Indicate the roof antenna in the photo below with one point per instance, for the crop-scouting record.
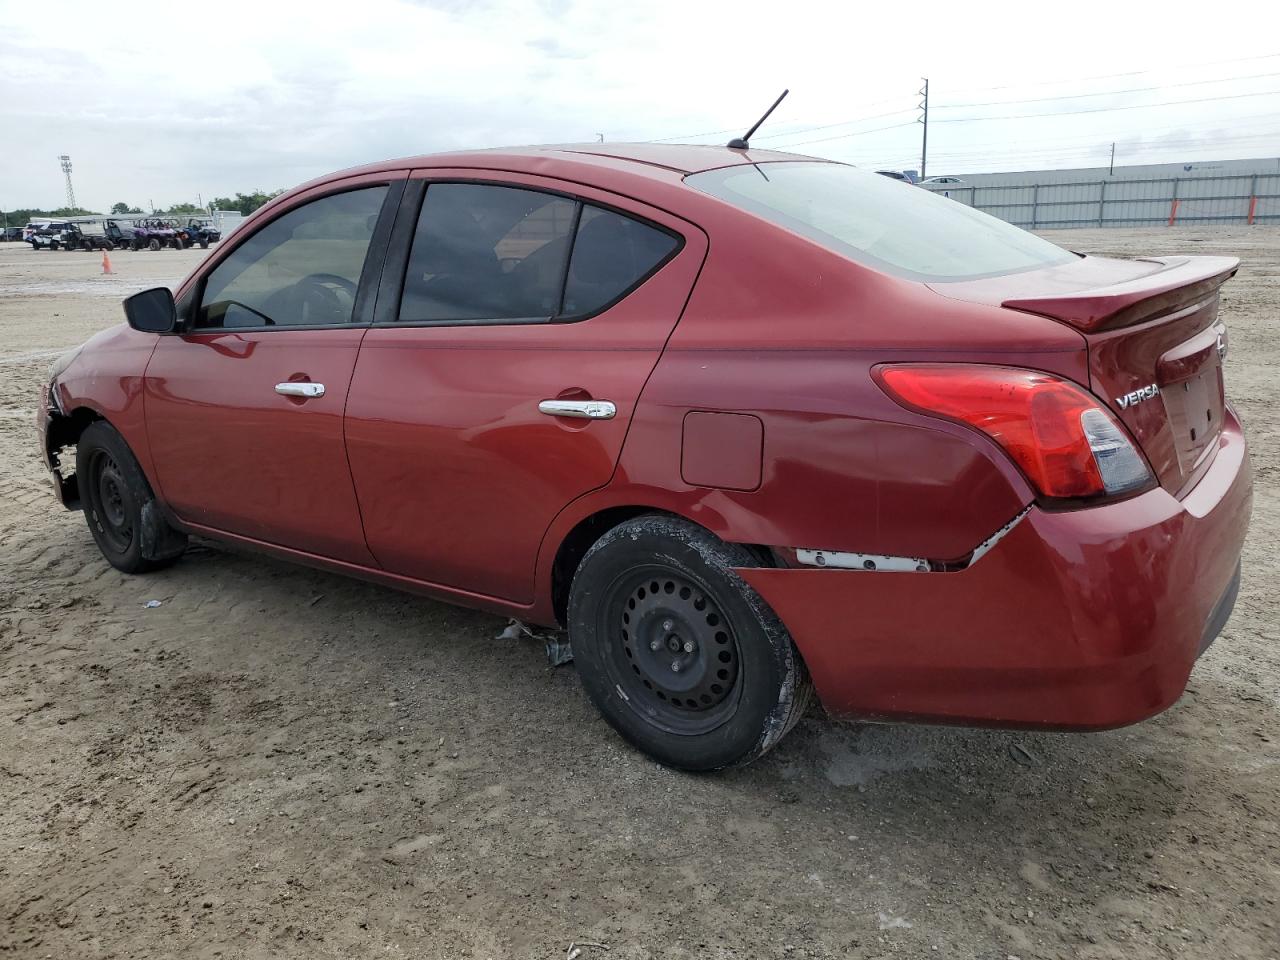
(741, 143)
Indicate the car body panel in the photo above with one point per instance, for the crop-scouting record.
(106, 378)
(232, 454)
(1082, 619)
(448, 417)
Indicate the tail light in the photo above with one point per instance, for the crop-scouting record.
(1060, 436)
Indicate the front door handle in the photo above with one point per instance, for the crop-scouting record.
(579, 409)
(305, 389)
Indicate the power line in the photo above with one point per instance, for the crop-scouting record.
(1137, 106)
(1131, 73)
(1104, 93)
(844, 136)
(1102, 145)
(829, 126)
(790, 133)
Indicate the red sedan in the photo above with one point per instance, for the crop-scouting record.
(745, 423)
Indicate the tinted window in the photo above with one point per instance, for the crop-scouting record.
(611, 255)
(484, 252)
(899, 228)
(302, 268)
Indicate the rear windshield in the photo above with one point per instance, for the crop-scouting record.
(893, 226)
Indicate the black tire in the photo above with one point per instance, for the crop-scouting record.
(53, 245)
(741, 685)
(153, 245)
(204, 244)
(122, 512)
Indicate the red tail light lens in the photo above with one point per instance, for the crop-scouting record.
(1066, 443)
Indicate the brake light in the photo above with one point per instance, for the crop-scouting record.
(1062, 438)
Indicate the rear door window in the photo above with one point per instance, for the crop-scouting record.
(483, 252)
(612, 255)
(498, 254)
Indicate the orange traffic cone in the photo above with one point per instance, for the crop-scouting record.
(106, 263)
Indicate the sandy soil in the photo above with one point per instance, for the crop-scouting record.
(280, 762)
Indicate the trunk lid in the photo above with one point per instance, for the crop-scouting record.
(1155, 345)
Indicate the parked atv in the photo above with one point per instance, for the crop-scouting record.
(153, 234)
(48, 236)
(87, 236)
(122, 234)
(199, 230)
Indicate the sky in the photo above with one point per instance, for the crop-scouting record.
(163, 103)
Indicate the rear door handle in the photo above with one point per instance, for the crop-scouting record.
(579, 409)
(304, 389)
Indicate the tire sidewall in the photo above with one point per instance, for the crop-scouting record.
(768, 662)
(137, 492)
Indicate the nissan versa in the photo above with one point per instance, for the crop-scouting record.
(747, 424)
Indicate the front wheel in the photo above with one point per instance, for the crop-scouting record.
(683, 658)
(123, 515)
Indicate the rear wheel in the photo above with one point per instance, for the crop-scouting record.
(153, 245)
(683, 657)
(123, 515)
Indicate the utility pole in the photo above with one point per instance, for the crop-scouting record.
(1112, 168)
(66, 169)
(923, 119)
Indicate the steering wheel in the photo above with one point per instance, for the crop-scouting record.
(316, 298)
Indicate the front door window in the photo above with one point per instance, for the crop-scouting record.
(302, 269)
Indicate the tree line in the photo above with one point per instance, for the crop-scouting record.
(245, 203)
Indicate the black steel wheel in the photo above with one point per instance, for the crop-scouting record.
(112, 508)
(679, 654)
(123, 516)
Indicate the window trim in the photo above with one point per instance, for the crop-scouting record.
(370, 272)
(395, 275)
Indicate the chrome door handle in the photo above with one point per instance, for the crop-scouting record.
(304, 389)
(579, 409)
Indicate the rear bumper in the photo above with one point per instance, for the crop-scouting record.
(1085, 619)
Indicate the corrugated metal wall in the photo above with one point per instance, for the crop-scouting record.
(1251, 198)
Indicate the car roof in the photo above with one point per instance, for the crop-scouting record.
(659, 160)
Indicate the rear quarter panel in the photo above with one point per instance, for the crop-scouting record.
(787, 331)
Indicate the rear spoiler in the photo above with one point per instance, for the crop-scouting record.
(1179, 282)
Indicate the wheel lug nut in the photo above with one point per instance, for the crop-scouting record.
(668, 626)
(688, 646)
(675, 666)
(655, 644)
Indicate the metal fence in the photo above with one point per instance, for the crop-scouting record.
(1247, 199)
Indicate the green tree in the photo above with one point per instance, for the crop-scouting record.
(19, 217)
(122, 208)
(246, 203)
(179, 209)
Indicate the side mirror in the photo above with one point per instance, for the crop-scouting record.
(152, 311)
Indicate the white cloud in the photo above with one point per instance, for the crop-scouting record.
(161, 101)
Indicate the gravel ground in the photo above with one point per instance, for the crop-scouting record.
(281, 762)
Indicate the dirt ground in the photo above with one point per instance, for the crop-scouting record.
(281, 762)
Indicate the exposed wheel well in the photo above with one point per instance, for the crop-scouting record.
(64, 432)
(579, 540)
